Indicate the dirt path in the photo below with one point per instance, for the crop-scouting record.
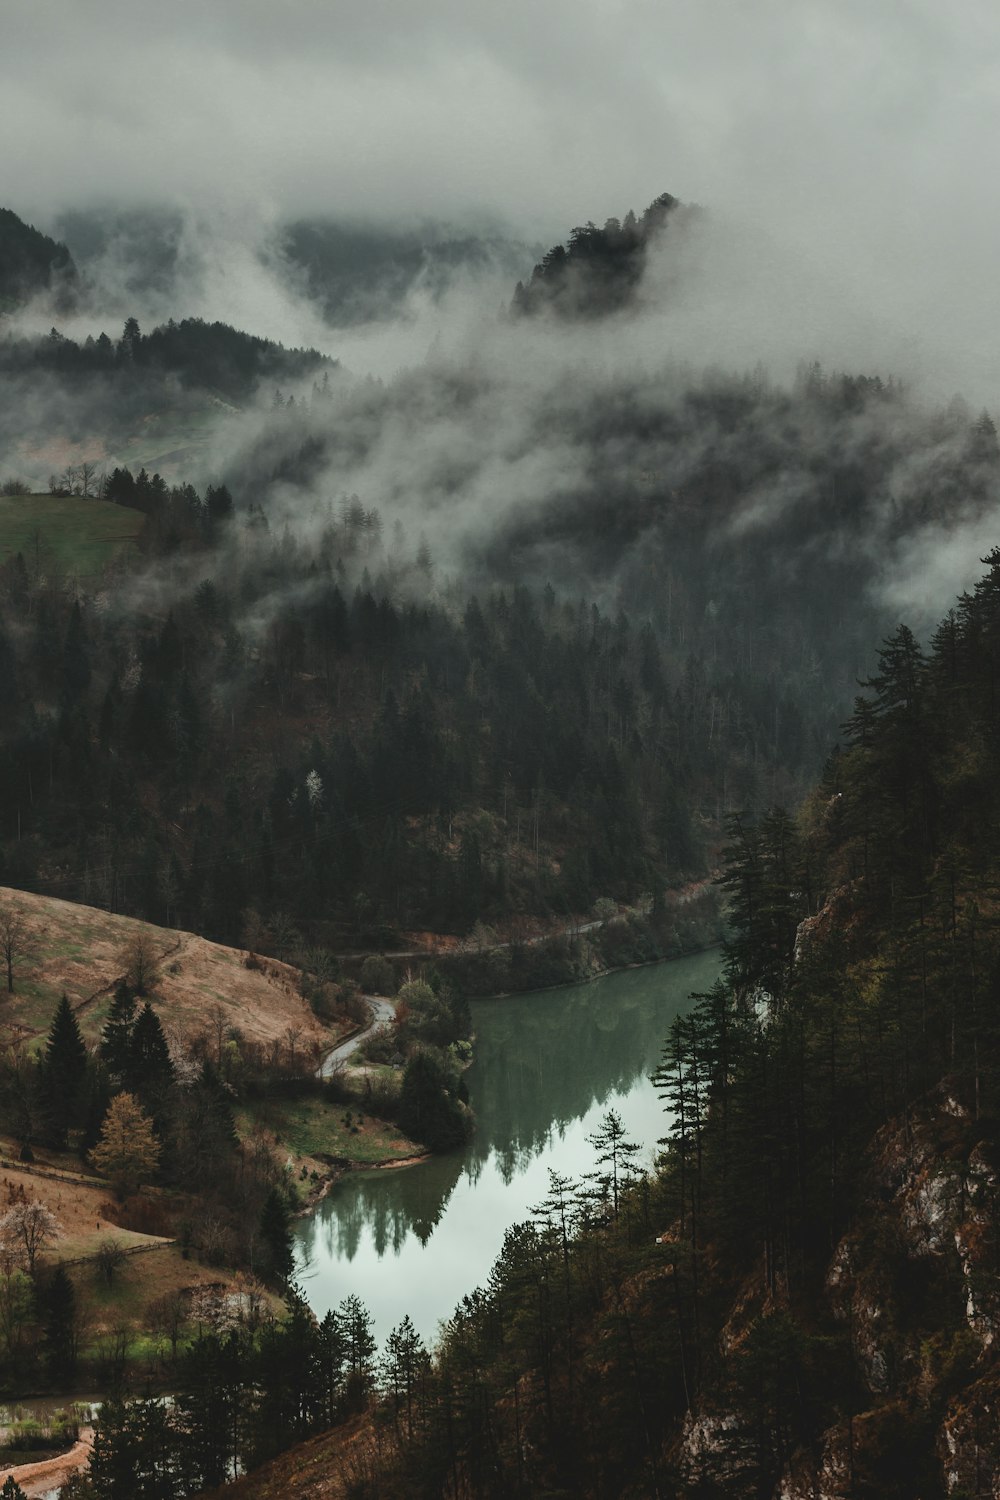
(51, 1474)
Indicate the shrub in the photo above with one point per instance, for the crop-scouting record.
(378, 976)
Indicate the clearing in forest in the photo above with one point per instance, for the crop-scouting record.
(66, 534)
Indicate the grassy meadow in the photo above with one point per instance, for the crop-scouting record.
(64, 533)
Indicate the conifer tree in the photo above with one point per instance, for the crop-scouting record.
(63, 1072)
(128, 1151)
(59, 1300)
(116, 1038)
(276, 1236)
(150, 1070)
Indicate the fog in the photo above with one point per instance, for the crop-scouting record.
(842, 155)
(859, 138)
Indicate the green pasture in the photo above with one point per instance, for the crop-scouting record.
(65, 534)
(317, 1127)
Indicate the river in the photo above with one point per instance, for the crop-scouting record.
(548, 1067)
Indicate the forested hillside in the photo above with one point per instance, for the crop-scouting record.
(32, 263)
(803, 1298)
(211, 356)
(599, 271)
(261, 724)
(498, 643)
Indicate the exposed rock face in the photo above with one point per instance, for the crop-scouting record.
(828, 1479)
(705, 1446)
(969, 1441)
(916, 1286)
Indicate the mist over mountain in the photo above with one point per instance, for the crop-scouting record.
(599, 271)
(31, 265)
(437, 563)
(165, 261)
(358, 274)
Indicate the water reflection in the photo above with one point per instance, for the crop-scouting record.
(547, 1067)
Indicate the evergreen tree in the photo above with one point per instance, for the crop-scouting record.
(63, 1072)
(276, 1237)
(116, 1038)
(150, 1070)
(429, 1106)
(60, 1338)
(359, 1349)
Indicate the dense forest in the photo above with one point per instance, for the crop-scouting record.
(260, 723)
(805, 1290)
(135, 369)
(599, 271)
(32, 263)
(403, 669)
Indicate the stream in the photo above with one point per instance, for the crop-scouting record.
(548, 1066)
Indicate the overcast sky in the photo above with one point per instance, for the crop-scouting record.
(864, 133)
(545, 111)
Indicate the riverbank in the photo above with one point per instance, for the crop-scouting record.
(689, 923)
(547, 1068)
(48, 1475)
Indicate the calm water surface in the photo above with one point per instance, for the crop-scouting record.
(548, 1066)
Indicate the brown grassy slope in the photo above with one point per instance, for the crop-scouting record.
(327, 1467)
(82, 950)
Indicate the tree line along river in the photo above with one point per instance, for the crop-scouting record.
(548, 1066)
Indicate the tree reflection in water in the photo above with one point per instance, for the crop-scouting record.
(548, 1065)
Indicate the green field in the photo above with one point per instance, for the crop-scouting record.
(316, 1128)
(64, 534)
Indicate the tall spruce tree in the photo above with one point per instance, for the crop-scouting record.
(63, 1072)
(276, 1236)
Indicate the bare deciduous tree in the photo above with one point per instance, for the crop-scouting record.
(166, 1316)
(13, 940)
(87, 473)
(109, 1257)
(140, 959)
(29, 1227)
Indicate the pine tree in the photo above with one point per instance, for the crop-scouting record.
(359, 1348)
(150, 1071)
(116, 1039)
(59, 1301)
(63, 1072)
(276, 1236)
(405, 1364)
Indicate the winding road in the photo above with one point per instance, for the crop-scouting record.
(382, 1011)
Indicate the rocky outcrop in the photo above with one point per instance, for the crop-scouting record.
(915, 1286)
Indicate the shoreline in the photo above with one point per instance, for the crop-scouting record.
(337, 1173)
(568, 984)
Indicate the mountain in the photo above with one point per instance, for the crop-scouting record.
(599, 270)
(357, 273)
(32, 263)
(802, 1298)
(354, 272)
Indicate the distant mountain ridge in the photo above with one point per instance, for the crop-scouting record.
(357, 273)
(353, 271)
(30, 263)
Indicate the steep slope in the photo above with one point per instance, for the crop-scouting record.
(32, 263)
(197, 985)
(599, 271)
(803, 1300)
